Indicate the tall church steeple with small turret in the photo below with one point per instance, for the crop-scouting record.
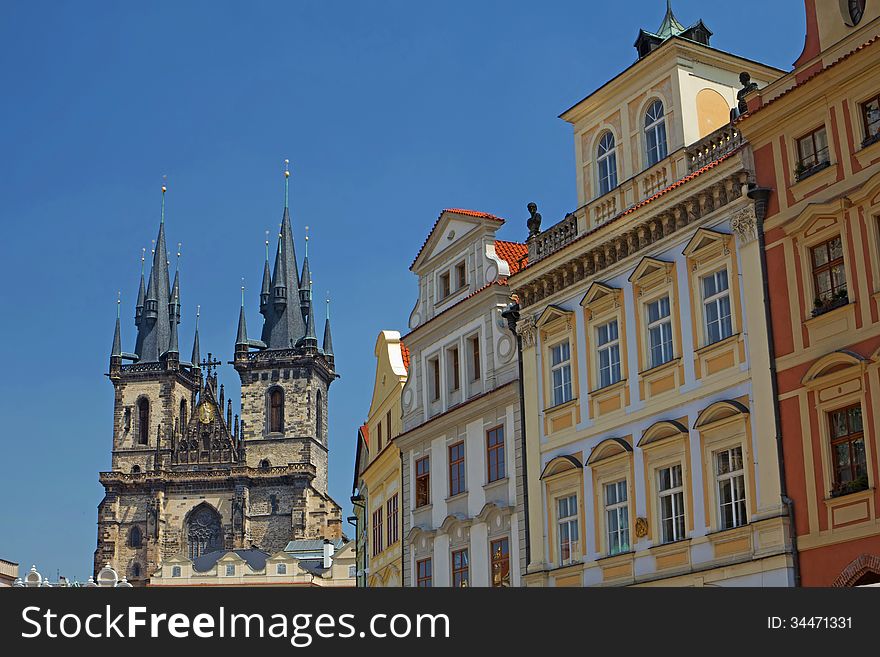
(189, 477)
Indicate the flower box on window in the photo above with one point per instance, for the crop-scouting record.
(855, 486)
(801, 172)
(829, 303)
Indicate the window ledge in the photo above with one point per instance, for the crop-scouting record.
(831, 312)
(617, 385)
(853, 495)
(458, 496)
(623, 557)
(498, 483)
(811, 171)
(717, 345)
(570, 402)
(870, 141)
(663, 366)
(424, 507)
(667, 548)
(829, 306)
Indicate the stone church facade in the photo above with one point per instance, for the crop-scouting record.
(187, 476)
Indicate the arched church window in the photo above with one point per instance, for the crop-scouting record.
(143, 421)
(182, 416)
(265, 465)
(204, 531)
(135, 469)
(135, 538)
(136, 570)
(276, 411)
(319, 416)
(606, 159)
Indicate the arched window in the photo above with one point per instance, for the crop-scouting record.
(135, 538)
(143, 421)
(204, 531)
(136, 570)
(265, 465)
(135, 469)
(606, 160)
(319, 416)
(655, 133)
(182, 416)
(276, 411)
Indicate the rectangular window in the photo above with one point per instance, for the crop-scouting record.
(388, 425)
(871, 119)
(460, 569)
(829, 277)
(379, 436)
(813, 149)
(617, 517)
(671, 503)
(230, 570)
(454, 369)
(848, 450)
(659, 332)
(560, 371)
(500, 553)
(391, 512)
(377, 531)
(608, 347)
(495, 454)
(731, 487)
(423, 481)
(424, 574)
(474, 348)
(434, 369)
(456, 469)
(567, 526)
(460, 275)
(716, 304)
(445, 288)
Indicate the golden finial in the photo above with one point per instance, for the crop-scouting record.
(198, 314)
(307, 241)
(143, 258)
(118, 302)
(267, 246)
(242, 291)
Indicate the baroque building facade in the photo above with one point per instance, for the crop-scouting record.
(376, 492)
(816, 138)
(652, 456)
(187, 476)
(460, 455)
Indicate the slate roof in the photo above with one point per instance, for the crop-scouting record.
(256, 559)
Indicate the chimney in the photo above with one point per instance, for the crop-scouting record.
(328, 553)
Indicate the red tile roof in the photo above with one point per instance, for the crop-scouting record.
(804, 81)
(404, 351)
(514, 253)
(662, 192)
(468, 213)
(365, 432)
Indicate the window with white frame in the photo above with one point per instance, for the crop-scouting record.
(230, 570)
(659, 332)
(608, 351)
(560, 372)
(671, 493)
(567, 527)
(617, 517)
(716, 306)
(606, 161)
(730, 475)
(281, 569)
(655, 133)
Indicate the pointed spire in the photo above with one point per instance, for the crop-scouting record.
(670, 25)
(154, 332)
(196, 356)
(241, 339)
(116, 351)
(266, 287)
(305, 290)
(328, 340)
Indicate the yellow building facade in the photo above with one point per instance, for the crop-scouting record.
(378, 503)
(652, 453)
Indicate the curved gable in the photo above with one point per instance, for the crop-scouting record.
(559, 465)
(608, 448)
(720, 410)
(661, 431)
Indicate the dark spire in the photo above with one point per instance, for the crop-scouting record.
(196, 357)
(154, 332)
(310, 339)
(266, 288)
(305, 281)
(142, 292)
(284, 325)
(116, 351)
(241, 337)
(328, 340)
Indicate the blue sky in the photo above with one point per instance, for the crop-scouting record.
(388, 111)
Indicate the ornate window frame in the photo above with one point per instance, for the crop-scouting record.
(555, 325)
(603, 304)
(651, 280)
(707, 252)
(725, 425)
(610, 461)
(562, 477)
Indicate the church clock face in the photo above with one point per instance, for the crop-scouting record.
(856, 10)
(206, 413)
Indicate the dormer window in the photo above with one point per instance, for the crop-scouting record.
(444, 286)
(606, 161)
(460, 275)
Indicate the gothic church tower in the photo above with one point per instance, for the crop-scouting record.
(186, 478)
